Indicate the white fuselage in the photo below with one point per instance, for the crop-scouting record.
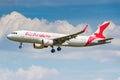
(37, 37)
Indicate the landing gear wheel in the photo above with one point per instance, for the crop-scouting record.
(20, 47)
(52, 50)
(59, 49)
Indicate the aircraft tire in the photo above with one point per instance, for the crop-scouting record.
(59, 49)
(52, 50)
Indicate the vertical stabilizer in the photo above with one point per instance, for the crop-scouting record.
(100, 31)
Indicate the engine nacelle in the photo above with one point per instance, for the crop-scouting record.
(38, 46)
(45, 43)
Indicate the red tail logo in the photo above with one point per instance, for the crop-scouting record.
(99, 32)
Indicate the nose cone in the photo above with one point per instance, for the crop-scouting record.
(9, 36)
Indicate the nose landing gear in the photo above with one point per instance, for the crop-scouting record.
(20, 46)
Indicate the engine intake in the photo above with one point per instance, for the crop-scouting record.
(44, 43)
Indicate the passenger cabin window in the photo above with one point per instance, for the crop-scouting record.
(14, 32)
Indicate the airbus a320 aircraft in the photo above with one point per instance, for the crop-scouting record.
(42, 40)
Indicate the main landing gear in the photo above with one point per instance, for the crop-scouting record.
(53, 50)
(59, 49)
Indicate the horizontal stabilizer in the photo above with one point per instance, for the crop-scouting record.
(107, 39)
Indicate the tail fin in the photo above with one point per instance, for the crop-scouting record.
(100, 31)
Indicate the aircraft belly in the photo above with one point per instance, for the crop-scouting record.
(77, 42)
(32, 40)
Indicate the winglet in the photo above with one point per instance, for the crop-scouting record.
(85, 28)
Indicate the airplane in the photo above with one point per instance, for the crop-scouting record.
(42, 40)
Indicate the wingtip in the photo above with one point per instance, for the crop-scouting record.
(85, 28)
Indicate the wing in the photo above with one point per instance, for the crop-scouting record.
(61, 40)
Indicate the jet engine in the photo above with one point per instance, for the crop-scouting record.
(38, 46)
(45, 43)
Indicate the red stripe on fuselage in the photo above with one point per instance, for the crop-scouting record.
(90, 39)
(37, 34)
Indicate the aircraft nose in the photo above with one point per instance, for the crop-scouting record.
(9, 36)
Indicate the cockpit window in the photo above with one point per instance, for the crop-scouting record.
(14, 32)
